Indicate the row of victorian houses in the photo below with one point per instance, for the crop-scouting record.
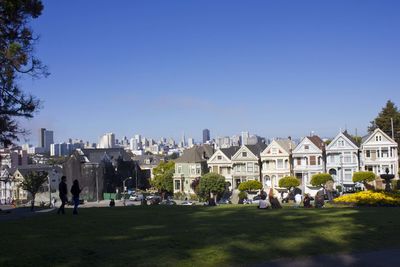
(268, 164)
(98, 171)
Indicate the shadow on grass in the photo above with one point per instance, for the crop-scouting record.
(193, 236)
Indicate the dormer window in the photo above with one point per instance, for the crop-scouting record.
(341, 143)
(306, 147)
(219, 157)
(378, 138)
(244, 154)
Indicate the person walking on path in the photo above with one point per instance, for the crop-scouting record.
(75, 191)
(63, 191)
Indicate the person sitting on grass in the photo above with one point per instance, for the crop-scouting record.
(307, 201)
(319, 199)
(274, 200)
(263, 204)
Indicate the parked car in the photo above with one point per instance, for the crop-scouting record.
(136, 197)
(153, 197)
(168, 203)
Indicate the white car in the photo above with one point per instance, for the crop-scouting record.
(136, 197)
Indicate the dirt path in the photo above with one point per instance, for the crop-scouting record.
(380, 258)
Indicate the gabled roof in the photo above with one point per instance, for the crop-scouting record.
(229, 152)
(37, 168)
(257, 149)
(286, 144)
(316, 140)
(98, 154)
(369, 136)
(344, 135)
(351, 139)
(365, 138)
(196, 154)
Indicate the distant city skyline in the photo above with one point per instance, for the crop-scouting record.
(160, 68)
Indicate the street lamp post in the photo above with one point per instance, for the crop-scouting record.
(48, 177)
(136, 178)
(97, 187)
(93, 172)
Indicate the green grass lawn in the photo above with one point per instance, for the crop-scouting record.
(192, 236)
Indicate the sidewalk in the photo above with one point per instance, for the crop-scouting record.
(11, 213)
(380, 258)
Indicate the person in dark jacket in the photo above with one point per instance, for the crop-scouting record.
(75, 191)
(63, 191)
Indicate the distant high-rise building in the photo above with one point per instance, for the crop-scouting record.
(46, 138)
(183, 141)
(171, 143)
(190, 142)
(41, 137)
(235, 140)
(206, 136)
(107, 141)
(223, 142)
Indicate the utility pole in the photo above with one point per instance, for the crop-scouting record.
(391, 121)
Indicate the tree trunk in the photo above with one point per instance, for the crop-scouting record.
(33, 202)
(330, 197)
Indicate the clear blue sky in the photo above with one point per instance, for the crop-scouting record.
(160, 68)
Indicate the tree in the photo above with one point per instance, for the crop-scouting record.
(164, 183)
(383, 121)
(163, 177)
(32, 183)
(364, 177)
(17, 59)
(289, 182)
(163, 167)
(211, 184)
(195, 185)
(249, 186)
(320, 179)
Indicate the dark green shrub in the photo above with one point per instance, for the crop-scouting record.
(242, 195)
(251, 185)
(363, 177)
(289, 182)
(320, 179)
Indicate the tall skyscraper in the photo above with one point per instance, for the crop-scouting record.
(107, 141)
(46, 138)
(206, 136)
(190, 142)
(41, 137)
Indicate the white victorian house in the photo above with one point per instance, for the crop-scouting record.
(308, 159)
(343, 159)
(379, 152)
(221, 163)
(245, 164)
(6, 185)
(277, 162)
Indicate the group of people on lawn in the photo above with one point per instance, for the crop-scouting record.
(271, 201)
